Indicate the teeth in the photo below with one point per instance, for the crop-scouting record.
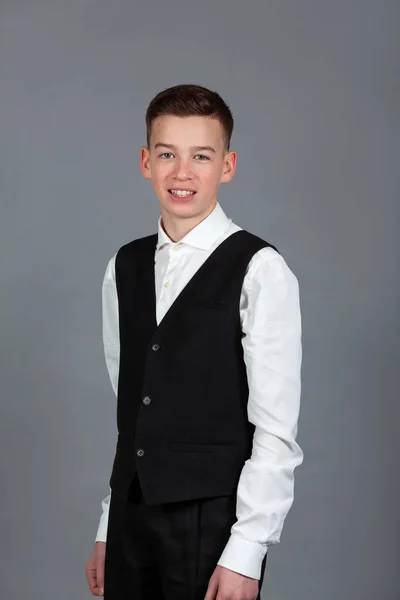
(182, 193)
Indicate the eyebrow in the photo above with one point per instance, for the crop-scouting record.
(197, 148)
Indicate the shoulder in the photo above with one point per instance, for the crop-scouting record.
(126, 253)
(267, 268)
(138, 244)
(135, 249)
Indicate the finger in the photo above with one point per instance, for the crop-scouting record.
(99, 562)
(91, 576)
(212, 590)
(100, 576)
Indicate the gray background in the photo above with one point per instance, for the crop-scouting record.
(312, 85)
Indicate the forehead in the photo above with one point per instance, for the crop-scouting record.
(186, 131)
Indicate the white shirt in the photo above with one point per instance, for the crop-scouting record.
(271, 321)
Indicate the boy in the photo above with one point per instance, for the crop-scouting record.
(202, 338)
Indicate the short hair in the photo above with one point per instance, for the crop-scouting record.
(187, 100)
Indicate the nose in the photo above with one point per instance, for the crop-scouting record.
(182, 170)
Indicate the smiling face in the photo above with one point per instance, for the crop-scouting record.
(187, 161)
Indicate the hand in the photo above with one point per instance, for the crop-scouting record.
(229, 585)
(95, 569)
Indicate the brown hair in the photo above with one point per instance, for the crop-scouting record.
(188, 100)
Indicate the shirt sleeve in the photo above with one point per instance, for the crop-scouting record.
(101, 534)
(110, 328)
(110, 324)
(271, 324)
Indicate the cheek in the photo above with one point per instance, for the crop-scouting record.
(160, 173)
(211, 177)
(207, 172)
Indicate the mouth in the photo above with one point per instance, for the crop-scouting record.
(182, 195)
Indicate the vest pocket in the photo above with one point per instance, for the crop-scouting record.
(209, 305)
(201, 448)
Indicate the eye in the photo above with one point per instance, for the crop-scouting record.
(203, 156)
(164, 153)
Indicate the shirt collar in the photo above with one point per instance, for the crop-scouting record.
(204, 234)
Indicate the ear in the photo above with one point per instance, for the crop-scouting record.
(229, 166)
(145, 162)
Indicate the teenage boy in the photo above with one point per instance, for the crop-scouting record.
(202, 338)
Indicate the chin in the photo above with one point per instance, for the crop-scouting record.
(179, 206)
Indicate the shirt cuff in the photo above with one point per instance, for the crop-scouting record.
(243, 556)
(101, 535)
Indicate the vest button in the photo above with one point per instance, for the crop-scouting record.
(146, 400)
(155, 347)
(140, 452)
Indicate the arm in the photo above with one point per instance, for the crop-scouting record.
(110, 325)
(271, 322)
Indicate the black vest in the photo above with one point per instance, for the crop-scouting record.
(182, 386)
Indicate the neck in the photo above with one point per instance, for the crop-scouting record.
(177, 227)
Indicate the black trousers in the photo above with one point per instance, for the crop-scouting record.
(168, 551)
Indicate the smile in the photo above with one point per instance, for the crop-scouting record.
(182, 193)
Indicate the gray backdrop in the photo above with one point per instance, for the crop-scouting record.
(312, 85)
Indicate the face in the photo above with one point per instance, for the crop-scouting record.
(187, 161)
